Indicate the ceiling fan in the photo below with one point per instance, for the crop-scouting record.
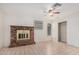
(52, 11)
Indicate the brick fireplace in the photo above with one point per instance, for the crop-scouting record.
(21, 35)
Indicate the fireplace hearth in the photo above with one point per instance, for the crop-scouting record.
(21, 35)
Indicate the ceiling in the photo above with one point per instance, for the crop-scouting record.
(36, 9)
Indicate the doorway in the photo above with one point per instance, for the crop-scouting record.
(62, 34)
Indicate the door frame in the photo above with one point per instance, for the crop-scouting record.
(59, 40)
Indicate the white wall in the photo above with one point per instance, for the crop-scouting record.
(41, 35)
(21, 15)
(10, 19)
(55, 31)
(1, 30)
(72, 29)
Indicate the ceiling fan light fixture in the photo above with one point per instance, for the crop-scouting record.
(53, 9)
(50, 14)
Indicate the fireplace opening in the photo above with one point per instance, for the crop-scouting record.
(23, 34)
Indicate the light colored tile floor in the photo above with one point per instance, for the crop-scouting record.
(42, 48)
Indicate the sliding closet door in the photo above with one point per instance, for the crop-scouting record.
(62, 31)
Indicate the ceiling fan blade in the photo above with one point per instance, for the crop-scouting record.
(57, 4)
(56, 12)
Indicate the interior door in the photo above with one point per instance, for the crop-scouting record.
(62, 31)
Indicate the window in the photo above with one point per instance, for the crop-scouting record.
(38, 24)
(49, 29)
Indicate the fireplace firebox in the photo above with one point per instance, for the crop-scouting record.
(21, 35)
